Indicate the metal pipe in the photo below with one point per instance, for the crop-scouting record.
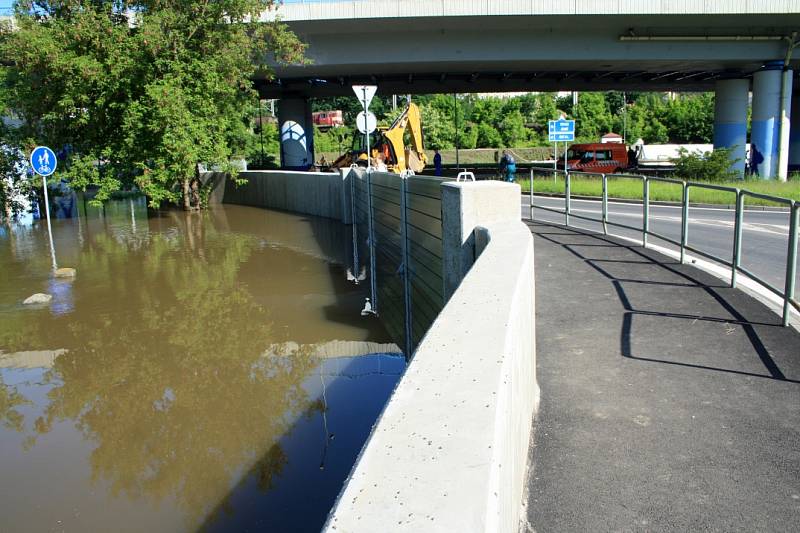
(49, 228)
(791, 263)
(566, 197)
(645, 210)
(737, 238)
(531, 195)
(373, 282)
(604, 215)
(684, 221)
(354, 221)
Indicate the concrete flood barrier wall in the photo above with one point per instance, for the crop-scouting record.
(450, 450)
(398, 237)
(309, 193)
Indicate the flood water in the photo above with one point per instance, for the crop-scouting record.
(201, 372)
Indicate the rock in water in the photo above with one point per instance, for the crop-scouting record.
(38, 298)
(65, 273)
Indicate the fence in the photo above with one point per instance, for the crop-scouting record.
(734, 262)
(397, 236)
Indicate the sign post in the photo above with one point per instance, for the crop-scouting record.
(561, 130)
(43, 162)
(365, 93)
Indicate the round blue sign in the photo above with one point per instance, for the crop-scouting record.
(43, 160)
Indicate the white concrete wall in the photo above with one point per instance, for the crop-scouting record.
(450, 450)
(309, 193)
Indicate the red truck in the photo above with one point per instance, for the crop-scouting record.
(605, 158)
(327, 119)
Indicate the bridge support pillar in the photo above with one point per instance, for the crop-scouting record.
(794, 132)
(296, 133)
(766, 120)
(730, 120)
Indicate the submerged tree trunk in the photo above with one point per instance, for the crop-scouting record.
(187, 199)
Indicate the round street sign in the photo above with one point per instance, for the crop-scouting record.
(366, 123)
(43, 160)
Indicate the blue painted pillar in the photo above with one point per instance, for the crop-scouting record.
(296, 132)
(730, 120)
(765, 128)
(794, 133)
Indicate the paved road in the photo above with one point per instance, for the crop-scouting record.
(764, 234)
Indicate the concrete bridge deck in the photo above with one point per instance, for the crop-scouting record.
(668, 400)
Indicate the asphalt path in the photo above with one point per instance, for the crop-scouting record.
(765, 234)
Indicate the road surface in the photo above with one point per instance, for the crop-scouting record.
(765, 234)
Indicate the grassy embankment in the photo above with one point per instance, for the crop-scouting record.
(627, 188)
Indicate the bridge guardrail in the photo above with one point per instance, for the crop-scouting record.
(734, 262)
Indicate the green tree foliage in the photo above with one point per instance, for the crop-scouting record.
(142, 91)
(489, 137)
(592, 116)
(708, 166)
(512, 129)
(494, 121)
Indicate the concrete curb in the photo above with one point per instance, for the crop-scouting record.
(662, 203)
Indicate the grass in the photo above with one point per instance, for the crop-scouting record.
(626, 188)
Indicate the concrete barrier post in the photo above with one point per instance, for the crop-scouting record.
(466, 205)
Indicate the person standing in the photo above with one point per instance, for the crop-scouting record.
(508, 166)
(437, 162)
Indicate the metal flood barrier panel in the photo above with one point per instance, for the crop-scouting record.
(397, 235)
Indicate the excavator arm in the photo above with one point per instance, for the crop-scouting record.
(403, 158)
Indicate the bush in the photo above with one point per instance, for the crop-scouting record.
(709, 166)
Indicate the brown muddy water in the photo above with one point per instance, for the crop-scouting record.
(201, 372)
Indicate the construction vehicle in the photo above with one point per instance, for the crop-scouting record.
(613, 157)
(390, 143)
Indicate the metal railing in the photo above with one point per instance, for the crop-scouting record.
(734, 262)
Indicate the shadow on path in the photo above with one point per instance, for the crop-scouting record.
(705, 438)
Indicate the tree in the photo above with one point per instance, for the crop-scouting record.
(593, 120)
(488, 137)
(512, 128)
(144, 91)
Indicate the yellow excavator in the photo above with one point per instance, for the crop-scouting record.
(390, 143)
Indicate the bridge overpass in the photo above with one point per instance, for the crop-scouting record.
(733, 47)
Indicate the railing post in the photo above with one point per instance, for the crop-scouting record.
(566, 197)
(645, 209)
(791, 261)
(737, 237)
(406, 267)
(531, 195)
(684, 221)
(604, 215)
(373, 285)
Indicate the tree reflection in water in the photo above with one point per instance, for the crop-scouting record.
(164, 371)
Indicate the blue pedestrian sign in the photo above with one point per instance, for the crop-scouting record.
(561, 130)
(43, 160)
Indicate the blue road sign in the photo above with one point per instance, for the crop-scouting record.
(561, 130)
(43, 160)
